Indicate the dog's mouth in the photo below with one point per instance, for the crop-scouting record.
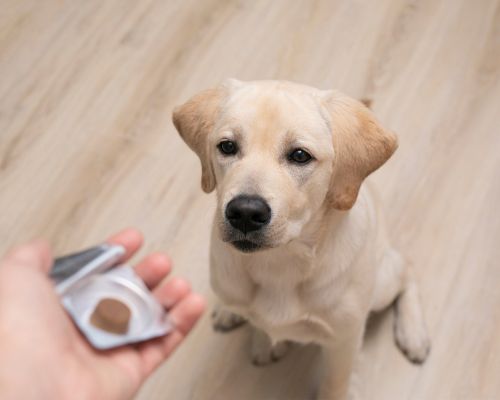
(246, 246)
(246, 242)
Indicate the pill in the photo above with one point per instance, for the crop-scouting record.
(111, 315)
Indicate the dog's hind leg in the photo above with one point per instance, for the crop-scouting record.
(395, 282)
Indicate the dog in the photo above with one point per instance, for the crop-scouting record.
(299, 247)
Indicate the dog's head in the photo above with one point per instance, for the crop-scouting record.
(277, 152)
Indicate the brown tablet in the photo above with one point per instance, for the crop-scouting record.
(111, 315)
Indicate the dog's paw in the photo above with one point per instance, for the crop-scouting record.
(412, 340)
(265, 355)
(225, 321)
(409, 327)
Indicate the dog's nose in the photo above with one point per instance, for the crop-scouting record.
(248, 213)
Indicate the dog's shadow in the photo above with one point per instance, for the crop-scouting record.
(374, 324)
(228, 373)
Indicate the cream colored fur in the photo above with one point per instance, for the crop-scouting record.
(327, 261)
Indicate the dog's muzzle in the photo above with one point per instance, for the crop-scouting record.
(248, 215)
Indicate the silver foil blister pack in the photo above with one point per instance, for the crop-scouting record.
(87, 279)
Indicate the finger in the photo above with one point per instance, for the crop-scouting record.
(153, 269)
(185, 314)
(172, 291)
(131, 239)
(36, 254)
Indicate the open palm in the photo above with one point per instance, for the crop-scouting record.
(45, 356)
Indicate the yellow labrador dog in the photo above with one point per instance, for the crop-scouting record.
(299, 247)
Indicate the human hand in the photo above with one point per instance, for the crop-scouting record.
(44, 356)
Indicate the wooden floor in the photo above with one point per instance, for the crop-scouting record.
(87, 147)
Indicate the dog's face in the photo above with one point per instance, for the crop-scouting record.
(272, 153)
(277, 152)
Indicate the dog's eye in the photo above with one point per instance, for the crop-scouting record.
(299, 156)
(227, 147)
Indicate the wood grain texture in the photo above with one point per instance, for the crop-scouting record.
(87, 146)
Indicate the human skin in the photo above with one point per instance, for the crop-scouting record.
(44, 356)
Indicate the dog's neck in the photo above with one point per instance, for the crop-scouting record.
(315, 232)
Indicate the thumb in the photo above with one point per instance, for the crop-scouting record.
(35, 255)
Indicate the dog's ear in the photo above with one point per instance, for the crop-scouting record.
(195, 120)
(361, 145)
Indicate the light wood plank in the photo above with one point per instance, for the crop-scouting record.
(87, 146)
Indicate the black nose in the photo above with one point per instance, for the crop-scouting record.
(248, 213)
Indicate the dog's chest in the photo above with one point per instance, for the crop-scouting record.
(278, 303)
(276, 298)
(285, 314)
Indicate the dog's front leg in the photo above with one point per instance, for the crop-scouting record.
(265, 352)
(224, 320)
(339, 361)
